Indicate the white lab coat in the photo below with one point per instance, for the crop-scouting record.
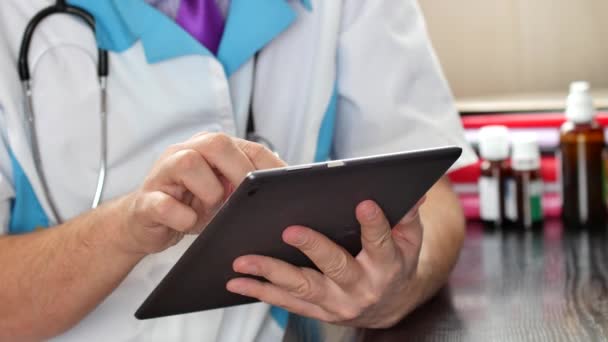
(391, 96)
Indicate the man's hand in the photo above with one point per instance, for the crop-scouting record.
(371, 290)
(90, 255)
(186, 187)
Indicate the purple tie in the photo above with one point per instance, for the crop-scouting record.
(203, 19)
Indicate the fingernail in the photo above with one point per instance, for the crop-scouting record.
(410, 216)
(418, 204)
(251, 269)
(236, 287)
(421, 201)
(370, 210)
(294, 236)
(298, 239)
(243, 265)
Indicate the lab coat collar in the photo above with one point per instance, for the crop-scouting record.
(249, 27)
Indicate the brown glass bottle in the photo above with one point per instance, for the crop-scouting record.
(525, 188)
(528, 198)
(497, 172)
(582, 174)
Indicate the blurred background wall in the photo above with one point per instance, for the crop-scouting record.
(519, 54)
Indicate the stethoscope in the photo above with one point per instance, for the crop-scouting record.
(61, 7)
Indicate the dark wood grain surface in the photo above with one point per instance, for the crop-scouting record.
(513, 285)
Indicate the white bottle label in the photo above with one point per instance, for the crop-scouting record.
(511, 200)
(532, 202)
(489, 199)
(560, 179)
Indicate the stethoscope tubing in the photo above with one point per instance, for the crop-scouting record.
(60, 7)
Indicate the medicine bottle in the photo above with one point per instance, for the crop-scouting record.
(525, 187)
(581, 155)
(494, 150)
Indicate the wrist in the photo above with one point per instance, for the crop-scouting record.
(100, 232)
(118, 224)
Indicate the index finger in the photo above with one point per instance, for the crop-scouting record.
(334, 261)
(223, 154)
(261, 157)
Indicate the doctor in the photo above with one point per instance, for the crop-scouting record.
(323, 79)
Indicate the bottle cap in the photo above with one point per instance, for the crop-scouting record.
(526, 153)
(494, 143)
(580, 103)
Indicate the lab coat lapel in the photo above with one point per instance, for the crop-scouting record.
(161, 37)
(120, 23)
(250, 26)
(296, 80)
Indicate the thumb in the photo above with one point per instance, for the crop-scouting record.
(376, 237)
(408, 233)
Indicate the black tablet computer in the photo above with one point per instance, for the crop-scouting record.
(321, 196)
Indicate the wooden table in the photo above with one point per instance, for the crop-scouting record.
(511, 285)
(550, 284)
